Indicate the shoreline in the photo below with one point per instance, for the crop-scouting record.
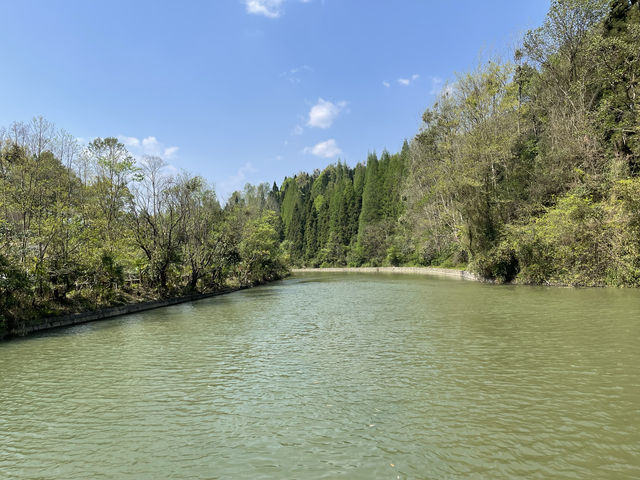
(433, 271)
(439, 272)
(71, 319)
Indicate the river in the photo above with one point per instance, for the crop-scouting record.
(329, 375)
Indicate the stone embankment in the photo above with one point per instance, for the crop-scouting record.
(102, 314)
(441, 272)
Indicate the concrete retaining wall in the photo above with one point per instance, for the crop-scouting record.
(441, 272)
(78, 318)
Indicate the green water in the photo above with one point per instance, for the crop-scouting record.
(335, 376)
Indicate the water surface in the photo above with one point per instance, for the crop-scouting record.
(335, 376)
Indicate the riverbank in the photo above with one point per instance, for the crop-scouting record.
(440, 272)
(106, 313)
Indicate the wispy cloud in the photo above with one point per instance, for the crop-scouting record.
(148, 146)
(297, 130)
(323, 113)
(293, 75)
(169, 151)
(437, 84)
(326, 149)
(405, 82)
(267, 8)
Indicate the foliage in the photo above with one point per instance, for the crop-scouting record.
(525, 171)
(82, 228)
(261, 259)
(529, 169)
(14, 290)
(343, 215)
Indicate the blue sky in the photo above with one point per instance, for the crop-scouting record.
(246, 90)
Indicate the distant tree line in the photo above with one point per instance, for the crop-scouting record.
(526, 170)
(86, 227)
(343, 215)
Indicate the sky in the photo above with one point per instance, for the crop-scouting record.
(246, 90)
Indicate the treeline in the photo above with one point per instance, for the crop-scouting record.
(525, 170)
(342, 215)
(86, 227)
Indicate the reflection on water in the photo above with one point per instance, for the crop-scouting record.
(335, 376)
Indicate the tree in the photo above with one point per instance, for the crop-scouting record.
(260, 251)
(203, 237)
(115, 168)
(157, 213)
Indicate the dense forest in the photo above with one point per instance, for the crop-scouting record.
(526, 170)
(88, 227)
(345, 216)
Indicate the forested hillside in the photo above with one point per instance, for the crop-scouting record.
(82, 228)
(525, 170)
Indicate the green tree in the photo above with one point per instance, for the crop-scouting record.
(261, 259)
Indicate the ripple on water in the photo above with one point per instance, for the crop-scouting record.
(334, 376)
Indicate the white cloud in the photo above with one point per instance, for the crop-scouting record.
(326, 149)
(386, 84)
(168, 152)
(147, 146)
(405, 82)
(150, 144)
(323, 113)
(129, 141)
(268, 8)
(298, 130)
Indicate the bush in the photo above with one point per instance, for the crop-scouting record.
(14, 289)
(568, 244)
(500, 264)
(394, 256)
